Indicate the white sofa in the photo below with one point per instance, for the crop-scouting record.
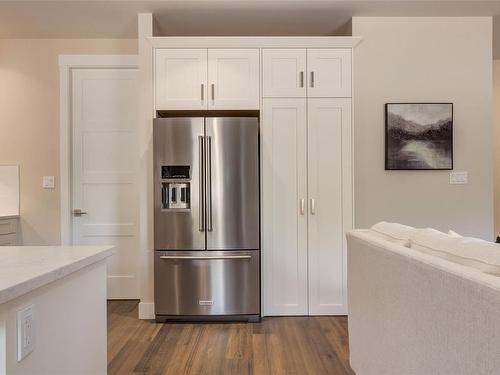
(415, 313)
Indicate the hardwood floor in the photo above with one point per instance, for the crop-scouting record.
(288, 345)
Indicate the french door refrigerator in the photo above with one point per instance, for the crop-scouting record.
(206, 221)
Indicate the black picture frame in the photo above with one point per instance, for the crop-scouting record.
(389, 166)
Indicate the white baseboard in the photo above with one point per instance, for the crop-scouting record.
(146, 310)
(122, 287)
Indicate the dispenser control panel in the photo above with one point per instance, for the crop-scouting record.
(176, 187)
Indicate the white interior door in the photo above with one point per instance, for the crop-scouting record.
(329, 72)
(328, 121)
(181, 79)
(233, 76)
(284, 73)
(284, 226)
(104, 169)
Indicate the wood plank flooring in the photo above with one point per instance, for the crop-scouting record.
(288, 345)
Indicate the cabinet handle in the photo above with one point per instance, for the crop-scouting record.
(312, 79)
(213, 92)
(202, 92)
(301, 79)
(302, 206)
(313, 207)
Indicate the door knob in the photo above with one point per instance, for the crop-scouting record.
(78, 212)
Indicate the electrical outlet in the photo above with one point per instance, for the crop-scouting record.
(48, 182)
(459, 178)
(25, 332)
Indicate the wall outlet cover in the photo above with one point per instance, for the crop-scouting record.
(459, 178)
(48, 182)
(25, 331)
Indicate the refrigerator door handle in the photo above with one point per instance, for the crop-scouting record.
(209, 184)
(201, 151)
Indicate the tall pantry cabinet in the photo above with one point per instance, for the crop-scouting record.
(307, 179)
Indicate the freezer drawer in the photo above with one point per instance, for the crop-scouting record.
(202, 283)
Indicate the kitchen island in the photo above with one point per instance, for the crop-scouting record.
(58, 294)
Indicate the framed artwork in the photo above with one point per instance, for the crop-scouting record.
(419, 136)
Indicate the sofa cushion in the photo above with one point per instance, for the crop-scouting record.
(394, 232)
(472, 252)
(434, 242)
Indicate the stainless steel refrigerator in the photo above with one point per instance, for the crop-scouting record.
(206, 222)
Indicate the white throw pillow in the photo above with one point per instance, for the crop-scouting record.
(472, 252)
(434, 242)
(394, 232)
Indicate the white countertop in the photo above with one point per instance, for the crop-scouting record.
(26, 268)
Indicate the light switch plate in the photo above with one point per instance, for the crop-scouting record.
(25, 332)
(459, 178)
(48, 182)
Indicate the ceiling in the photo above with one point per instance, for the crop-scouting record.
(118, 19)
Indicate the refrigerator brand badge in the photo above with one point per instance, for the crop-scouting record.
(206, 303)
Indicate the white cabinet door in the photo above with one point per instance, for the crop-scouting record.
(329, 73)
(283, 73)
(233, 77)
(181, 79)
(329, 128)
(284, 226)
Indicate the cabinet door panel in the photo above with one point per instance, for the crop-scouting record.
(329, 73)
(328, 157)
(181, 79)
(284, 73)
(284, 227)
(233, 77)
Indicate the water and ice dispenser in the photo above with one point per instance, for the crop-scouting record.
(176, 187)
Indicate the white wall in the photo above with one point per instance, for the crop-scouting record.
(29, 122)
(414, 60)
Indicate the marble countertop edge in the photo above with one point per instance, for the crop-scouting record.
(32, 283)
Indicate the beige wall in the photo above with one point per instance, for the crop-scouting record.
(496, 141)
(29, 122)
(425, 59)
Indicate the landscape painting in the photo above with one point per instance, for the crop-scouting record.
(418, 136)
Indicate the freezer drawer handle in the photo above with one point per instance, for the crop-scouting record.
(198, 257)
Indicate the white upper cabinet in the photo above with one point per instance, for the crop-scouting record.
(284, 204)
(181, 78)
(233, 78)
(329, 73)
(313, 73)
(330, 211)
(284, 73)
